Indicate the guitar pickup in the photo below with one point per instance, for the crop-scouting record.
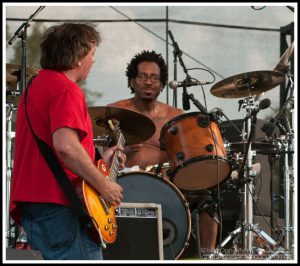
(104, 205)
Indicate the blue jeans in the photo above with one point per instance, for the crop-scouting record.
(56, 232)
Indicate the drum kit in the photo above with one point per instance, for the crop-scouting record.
(198, 160)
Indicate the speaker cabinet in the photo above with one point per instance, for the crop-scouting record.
(139, 235)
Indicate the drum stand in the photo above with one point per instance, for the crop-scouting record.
(10, 228)
(247, 230)
(205, 205)
(287, 145)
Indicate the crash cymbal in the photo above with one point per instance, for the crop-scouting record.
(247, 84)
(13, 75)
(255, 145)
(283, 63)
(135, 126)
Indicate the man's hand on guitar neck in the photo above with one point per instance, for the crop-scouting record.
(109, 152)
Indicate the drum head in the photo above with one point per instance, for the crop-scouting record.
(143, 187)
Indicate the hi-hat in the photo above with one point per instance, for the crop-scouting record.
(258, 146)
(247, 84)
(135, 126)
(13, 73)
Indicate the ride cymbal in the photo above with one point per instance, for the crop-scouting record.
(135, 126)
(247, 84)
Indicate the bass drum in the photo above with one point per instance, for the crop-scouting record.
(143, 187)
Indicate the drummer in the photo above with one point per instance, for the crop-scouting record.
(147, 75)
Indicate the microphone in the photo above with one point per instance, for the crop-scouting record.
(185, 100)
(269, 127)
(175, 84)
(264, 104)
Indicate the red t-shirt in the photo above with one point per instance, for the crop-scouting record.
(53, 102)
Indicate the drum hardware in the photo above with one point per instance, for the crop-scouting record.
(258, 147)
(209, 205)
(216, 113)
(286, 144)
(135, 126)
(269, 127)
(248, 231)
(11, 229)
(288, 189)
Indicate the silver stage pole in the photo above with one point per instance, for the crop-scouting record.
(9, 166)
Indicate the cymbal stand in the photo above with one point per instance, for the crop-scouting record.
(208, 205)
(287, 145)
(10, 230)
(288, 177)
(247, 230)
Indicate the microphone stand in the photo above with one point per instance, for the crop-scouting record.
(175, 78)
(22, 33)
(185, 95)
(177, 54)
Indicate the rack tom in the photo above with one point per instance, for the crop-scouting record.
(196, 152)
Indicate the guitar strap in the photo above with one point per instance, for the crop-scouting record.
(59, 173)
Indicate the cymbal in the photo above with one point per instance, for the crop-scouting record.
(135, 126)
(282, 65)
(247, 84)
(255, 145)
(13, 75)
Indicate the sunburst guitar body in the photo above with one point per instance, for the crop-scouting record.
(104, 218)
(102, 214)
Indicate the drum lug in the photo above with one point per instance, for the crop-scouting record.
(203, 121)
(180, 156)
(174, 130)
(209, 147)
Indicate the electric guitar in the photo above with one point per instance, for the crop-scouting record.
(103, 215)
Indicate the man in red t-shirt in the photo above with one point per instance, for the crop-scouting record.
(59, 116)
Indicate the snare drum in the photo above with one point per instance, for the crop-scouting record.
(196, 152)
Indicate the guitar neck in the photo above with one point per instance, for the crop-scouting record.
(115, 161)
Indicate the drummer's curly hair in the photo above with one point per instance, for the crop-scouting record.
(148, 56)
